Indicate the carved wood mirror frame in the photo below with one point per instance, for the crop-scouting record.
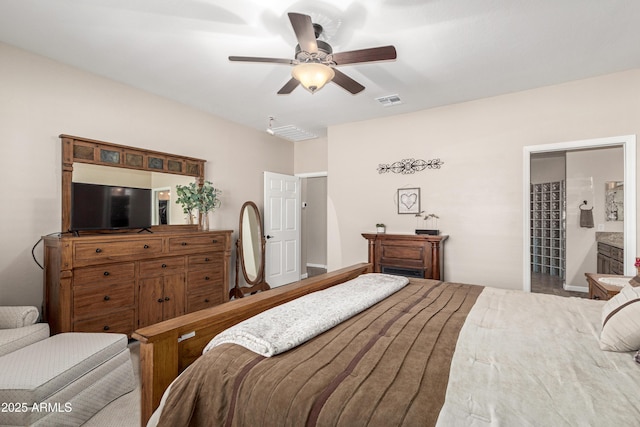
(250, 217)
(82, 150)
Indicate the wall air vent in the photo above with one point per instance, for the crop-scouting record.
(293, 133)
(388, 101)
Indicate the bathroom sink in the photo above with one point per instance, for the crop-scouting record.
(615, 281)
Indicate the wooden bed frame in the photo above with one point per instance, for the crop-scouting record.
(167, 348)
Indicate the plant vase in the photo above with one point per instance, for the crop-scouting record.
(204, 221)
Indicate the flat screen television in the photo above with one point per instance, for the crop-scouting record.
(106, 207)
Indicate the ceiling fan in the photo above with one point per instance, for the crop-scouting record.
(315, 63)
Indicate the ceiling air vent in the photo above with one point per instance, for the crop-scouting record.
(293, 133)
(388, 101)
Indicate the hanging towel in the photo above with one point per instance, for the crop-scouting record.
(586, 218)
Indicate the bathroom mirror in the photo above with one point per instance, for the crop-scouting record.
(614, 200)
(250, 252)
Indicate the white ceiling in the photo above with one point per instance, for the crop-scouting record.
(449, 51)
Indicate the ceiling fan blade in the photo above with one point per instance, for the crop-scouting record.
(289, 87)
(303, 27)
(365, 55)
(346, 82)
(258, 59)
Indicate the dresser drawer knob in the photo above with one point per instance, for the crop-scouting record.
(214, 241)
(206, 278)
(106, 273)
(106, 328)
(164, 265)
(596, 297)
(167, 298)
(146, 246)
(107, 297)
(160, 300)
(206, 300)
(207, 260)
(98, 250)
(184, 243)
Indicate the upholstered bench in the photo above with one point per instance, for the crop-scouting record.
(65, 379)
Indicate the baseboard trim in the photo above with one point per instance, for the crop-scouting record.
(317, 265)
(304, 276)
(573, 288)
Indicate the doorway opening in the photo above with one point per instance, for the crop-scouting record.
(574, 271)
(314, 224)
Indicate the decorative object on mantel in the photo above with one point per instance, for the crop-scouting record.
(409, 166)
(433, 231)
(637, 266)
(381, 228)
(204, 198)
(408, 200)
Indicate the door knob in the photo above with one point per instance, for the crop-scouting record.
(269, 237)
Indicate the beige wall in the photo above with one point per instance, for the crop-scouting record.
(587, 171)
(311, 156)
(42, 99)
(478, 191)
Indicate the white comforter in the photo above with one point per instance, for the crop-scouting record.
(288, 325)
(534, 360)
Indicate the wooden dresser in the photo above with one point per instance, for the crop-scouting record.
(412, 255)
(122, 282)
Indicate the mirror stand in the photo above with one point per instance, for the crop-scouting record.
(250, 253)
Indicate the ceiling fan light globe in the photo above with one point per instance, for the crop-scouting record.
(312, 75)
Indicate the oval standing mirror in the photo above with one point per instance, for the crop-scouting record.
(250, 252)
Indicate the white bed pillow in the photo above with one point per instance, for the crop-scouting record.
(621, 321)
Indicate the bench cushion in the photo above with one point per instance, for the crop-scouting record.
(77, 369)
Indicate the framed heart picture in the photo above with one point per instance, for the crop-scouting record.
(408, 200)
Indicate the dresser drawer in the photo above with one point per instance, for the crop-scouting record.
(98, 300)
(210, 261)
(161, 266)
(201, 280)
(103, 274)
(101, 251)
(191, 244)
(201, 301)
(121, 322)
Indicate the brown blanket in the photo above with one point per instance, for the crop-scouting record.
(387, 366)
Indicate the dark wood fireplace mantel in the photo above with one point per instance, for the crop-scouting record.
(407, 254)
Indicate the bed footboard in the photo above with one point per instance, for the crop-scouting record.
(167, 348)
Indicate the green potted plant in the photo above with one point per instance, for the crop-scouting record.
(204, 198)
(380, 228)
(188, 198)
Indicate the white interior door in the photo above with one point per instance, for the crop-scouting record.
(282, 228)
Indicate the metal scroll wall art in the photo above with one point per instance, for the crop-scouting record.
(409, 166)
